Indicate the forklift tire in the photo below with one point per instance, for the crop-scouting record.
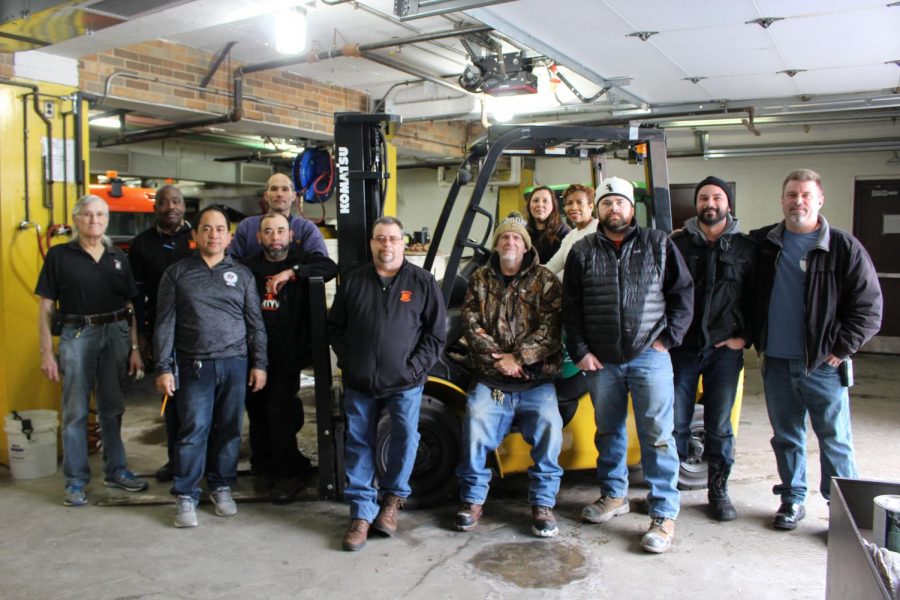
(692, 474)
(433, 480)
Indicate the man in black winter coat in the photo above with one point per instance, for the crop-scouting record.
(627, 299)
(818, 300)
(387, 326)
(722, 262)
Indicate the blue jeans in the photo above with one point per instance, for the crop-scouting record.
(649, 379)
(720, 368)
(363, 412)
(536, 414)
(790, 395)
(93, 358)
(210, 396)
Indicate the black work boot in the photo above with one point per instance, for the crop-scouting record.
(720, 506)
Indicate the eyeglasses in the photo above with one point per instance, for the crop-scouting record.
(394, 239)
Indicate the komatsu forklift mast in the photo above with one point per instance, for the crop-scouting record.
(361, 172)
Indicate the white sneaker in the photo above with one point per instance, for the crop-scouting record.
(185, 512)
(225, 505)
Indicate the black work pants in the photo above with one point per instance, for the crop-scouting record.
(276, 415)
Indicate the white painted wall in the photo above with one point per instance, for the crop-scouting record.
(758, 183)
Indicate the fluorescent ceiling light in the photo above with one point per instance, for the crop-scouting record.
(107, 122)
(289, 31)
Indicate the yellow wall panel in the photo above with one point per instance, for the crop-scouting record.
(22, 386)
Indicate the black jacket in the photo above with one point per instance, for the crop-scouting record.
(616, 303)
(387, 340)
(286, 314)
(723, 274)
(843, 298)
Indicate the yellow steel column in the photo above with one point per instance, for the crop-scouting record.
(512, 198)
(389, 202)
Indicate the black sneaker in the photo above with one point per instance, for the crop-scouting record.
(285, 490)
(543, 523)
(165, 473)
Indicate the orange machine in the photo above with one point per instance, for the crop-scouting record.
(131, 209)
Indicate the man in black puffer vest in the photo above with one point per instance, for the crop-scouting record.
(722, 262)
(627, 299)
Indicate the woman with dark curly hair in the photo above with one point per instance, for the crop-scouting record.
(544, 223)
(578, 201)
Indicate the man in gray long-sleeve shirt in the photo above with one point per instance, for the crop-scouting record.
(208, 313)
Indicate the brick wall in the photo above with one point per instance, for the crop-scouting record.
(272, 97)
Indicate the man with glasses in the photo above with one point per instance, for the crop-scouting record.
(91, 281)
(627, 299)
(387, 327)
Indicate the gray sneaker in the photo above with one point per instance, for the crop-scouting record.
(605, 509)
(224, 503)
(185, 512)
(125, 480)
(74, 496)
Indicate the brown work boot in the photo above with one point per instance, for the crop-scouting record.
(543, 523)
(658, 538)
(356, 535)
(605, 509)
(386, 521)
(468, 516)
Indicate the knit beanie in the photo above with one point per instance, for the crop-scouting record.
(615, 186)
(711, 180)
(515, 223)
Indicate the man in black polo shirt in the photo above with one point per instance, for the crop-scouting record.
(150, 254)
(275, 412)
(90, 280)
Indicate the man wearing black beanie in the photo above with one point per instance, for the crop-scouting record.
(722, 262)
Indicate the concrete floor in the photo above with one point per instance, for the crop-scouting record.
(51, 551)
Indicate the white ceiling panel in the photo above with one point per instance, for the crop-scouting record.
(842, 44)
(830, 40)
(698, 54)
(673, 15)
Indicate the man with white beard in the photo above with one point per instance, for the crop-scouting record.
(512, 326)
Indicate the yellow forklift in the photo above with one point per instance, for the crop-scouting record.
(361, 175)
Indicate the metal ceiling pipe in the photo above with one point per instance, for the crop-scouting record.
(416, 72)
(237, 81)
(356, 50)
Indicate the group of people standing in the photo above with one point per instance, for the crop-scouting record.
(224, 323)
(637, 311)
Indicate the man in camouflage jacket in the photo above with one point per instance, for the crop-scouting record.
(511, 322)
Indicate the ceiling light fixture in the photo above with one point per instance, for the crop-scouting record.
(289, 31)
(106, 122)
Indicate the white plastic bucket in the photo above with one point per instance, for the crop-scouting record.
(32, 455)
(886, 522)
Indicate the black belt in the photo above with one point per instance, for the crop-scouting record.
(101, 319)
